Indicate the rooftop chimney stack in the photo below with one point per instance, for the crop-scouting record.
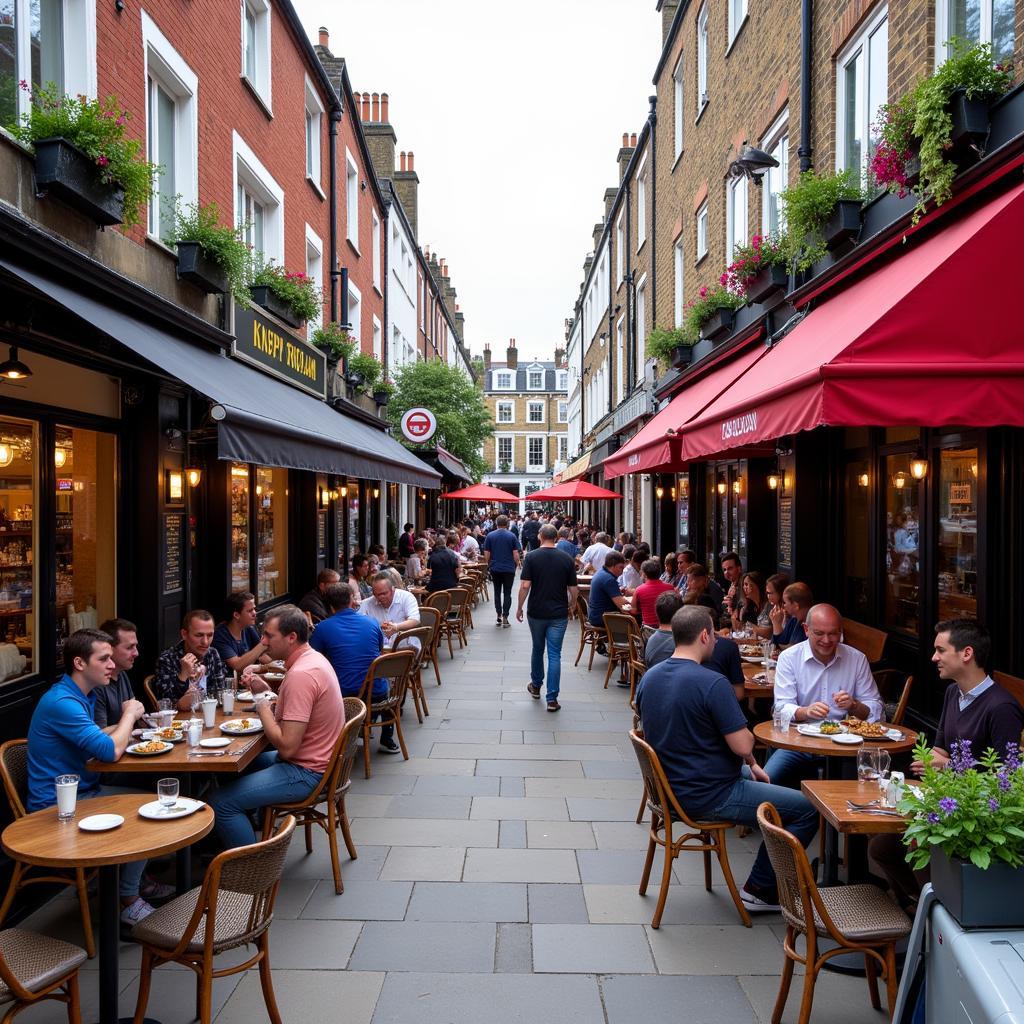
(325, 38)
(384, 111)
(668, 10)
(625, 154)
(407, 186)
(559, 358)
(487, 355)
(375, 109)
(380, 136)
(512, 356)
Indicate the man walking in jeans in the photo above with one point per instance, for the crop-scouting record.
(502, 553)
(549, 581)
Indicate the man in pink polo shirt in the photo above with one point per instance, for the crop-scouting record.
(302, 728)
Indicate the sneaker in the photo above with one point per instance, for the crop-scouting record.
(602, 649)
(623, 682)
(534, 691)
(766, 903)
(505, 624)
(389, 747)
(136, 912)
(553, 705)
(498, 623)
(150, 889)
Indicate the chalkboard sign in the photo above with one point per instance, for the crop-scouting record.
(321, 534)
(785, 533)
(173, 560)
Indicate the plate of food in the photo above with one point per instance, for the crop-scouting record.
(181, 808)
(168, 735)
(751, 651)
(150, 748)
(877, 731)
(248, 697)
(819, 729)
(241, 726)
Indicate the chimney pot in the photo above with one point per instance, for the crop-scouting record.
(325, 38)
(376, 106)
(412, 157)
(401, 160)
(625, 139)
(366, 106)
(384, 106)
(632, 140)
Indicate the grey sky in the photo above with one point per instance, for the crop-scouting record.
(515, 112)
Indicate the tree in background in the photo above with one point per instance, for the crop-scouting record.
(463, 420)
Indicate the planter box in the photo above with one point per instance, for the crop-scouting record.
(680, 356)
(198, 269)
(264, 297)
(842, 229)
(382, 397)
(703, 348)
(64, 171)
(970, 123)
(720, 325)
(767, 283)
(976, 898)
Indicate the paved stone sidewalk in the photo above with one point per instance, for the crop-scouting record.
(497, 880)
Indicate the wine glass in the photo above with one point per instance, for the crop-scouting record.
(167, 792)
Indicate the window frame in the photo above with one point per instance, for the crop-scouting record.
(314, 120)
(375, 226)
(703, 55)
(777, 136)
(315, 269)
(355, 325)
(530, 374)
(620, 247)
(737, 19)
(498, 460)
(701, 230)
(679, 107)
(563, 411)
(641, 327)
(641, 203)
(351, 200)
(563, 380)
(942, 34)
(261, 79)
(734, 188)
(496, 380)
(536, 467)
(678, 279)
(533, 406)
(256, 180)
(377, 338)
(505, 405)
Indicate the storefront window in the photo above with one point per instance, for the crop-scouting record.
(86, 502)
(353, 522)
(239, 527)
(18, 533)
(271, 533)
(957, 563)
(903, 540)
(856, 559)
(683, 505)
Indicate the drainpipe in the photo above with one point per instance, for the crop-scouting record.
(332, 186)
(630, 375)
(652, 120)
(806, 27)
(611, 322)
(385, 228)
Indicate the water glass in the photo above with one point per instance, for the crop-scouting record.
(167, 792)
(195, 731)
(866, 770)
(209, 712)
(228, 701)
(777, 716)
(66, 788)
(165, 704)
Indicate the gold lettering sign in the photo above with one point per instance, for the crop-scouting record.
(259, 340)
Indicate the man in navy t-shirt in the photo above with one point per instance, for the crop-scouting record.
(694, 723)
(502, 553)
(605, 595)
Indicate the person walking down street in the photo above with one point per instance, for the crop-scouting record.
(549, 583)
(502, 553)
(531, 532)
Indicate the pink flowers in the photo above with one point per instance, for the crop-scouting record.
(102, 161)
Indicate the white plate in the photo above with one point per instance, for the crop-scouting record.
(814, 729)
(133, 749)
(153, 734)
(847, 739)
(183, 807)
(100, 822)
(224, 727)
(245, 696)
(216, 741)
(751, 660)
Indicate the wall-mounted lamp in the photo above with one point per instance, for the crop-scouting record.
(919, 466)
(752, 164)
(773, 481)
(737, 486)
(376, 492)
(325, 497)
(344, 490)
(722, 487)
(6, 455)
(974, 470)
(863, 480)
(194, 475)
(175, 485)
(660, 492)
(12, 368)
(899, 481)
(673, 494)
(423, 494)
(60, 457)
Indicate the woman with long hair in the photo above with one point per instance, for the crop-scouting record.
(749, 610)
(773, 589)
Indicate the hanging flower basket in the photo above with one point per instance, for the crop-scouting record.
(264, 296)
(64, 171)
(719, 325)
(197, 268)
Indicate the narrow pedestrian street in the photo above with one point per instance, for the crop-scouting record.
(497, 880)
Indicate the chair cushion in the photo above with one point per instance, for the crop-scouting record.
(165, 927)
(862, 913)
(36, 960)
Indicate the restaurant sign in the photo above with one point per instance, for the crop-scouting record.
(262, 342)
(739, 426)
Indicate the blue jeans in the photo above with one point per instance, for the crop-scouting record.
(790, 767)
(549, 633)
(269, 781)
(740, 805)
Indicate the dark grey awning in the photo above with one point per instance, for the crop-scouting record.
(452, 465)
(268, 422)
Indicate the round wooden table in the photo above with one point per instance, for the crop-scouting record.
(40, 839)
(823, 746)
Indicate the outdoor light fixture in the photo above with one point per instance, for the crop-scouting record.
(12, 368)
(919, 466)
(737, 486)
(344, 490)
(900, 480)
(60, 457)
(752, 164)
(325, 497)
(673, 494)
(6, 455)
(376, 492)
(773, 481)
(974, 470)
(660, 492)
(863, 480)
(195, 475)
(175, 485)
(722, 487)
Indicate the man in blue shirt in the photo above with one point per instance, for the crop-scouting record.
(605, 595)
(351, 642)
(236, 639)
(694, 723)
(502, 553)
(63, 736)
(565, 544)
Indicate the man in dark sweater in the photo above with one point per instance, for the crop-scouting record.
(975, 710)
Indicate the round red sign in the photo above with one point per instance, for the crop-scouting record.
(419, 424)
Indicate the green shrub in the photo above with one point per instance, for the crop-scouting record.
(697, 312)
(809, 204)
(369, 366)
(334, 340)
(661, 341)
(220, 244)
(297, 290)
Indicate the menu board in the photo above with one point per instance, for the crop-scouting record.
(321, 534)
(785, 533)
(173, 556)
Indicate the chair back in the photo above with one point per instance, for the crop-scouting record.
(1013, 684)
(425, 635)
(894, 690)
(621, 629)
(659, 792)
(14, 771)
(348, 745)
(439, 599)
(866, 639)
(147, 688)
(456, 600)
(582, 608)
(430, 616)
(394, 666)
(355, 711)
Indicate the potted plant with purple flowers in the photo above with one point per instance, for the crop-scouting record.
(967, 821)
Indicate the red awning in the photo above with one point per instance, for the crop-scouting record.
(932, 338)
(655, 447)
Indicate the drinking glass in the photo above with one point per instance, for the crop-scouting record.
(195, 731)
(777, 716)
(167, 792)
(881, 761)
(867, 770)
(164, 704)
(66, 788)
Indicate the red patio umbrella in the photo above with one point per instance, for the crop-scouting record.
(574, 490)
(482, 492)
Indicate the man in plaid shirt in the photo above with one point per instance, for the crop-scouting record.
(192, 664)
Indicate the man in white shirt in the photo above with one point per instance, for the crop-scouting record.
(817, 679)
(470, 548)
(593, 558)
(393, 609)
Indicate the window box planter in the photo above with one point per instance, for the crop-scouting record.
(970, 122)
(767, 283)
(976, 898)
(842, 228)
(680, 356)
(198, 269)
(263, 296)
(382, 397)
(719, 325)
(64, 171)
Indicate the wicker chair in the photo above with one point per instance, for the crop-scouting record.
(703, 837)
(888, 682)
(469, 585)
(35, 967)
(395, 667)
(433, 617)
(424, 634)
(590, 635)
(14, 772)
(237, 896)
(455, 620)
(331, 790)
(623, 642)
(147, 689)
(637, 664)
(860, 918)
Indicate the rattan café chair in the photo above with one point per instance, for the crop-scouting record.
(395, 668)
(432, 617)
(35, 967)
(623, 640)
(14, 772)
(424, 634)
(331, 791)
(589, 634)
(232, 908)
(703, 837)
(860, 918)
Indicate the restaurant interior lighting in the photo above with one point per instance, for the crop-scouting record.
(863, 479)
(194, 475)
(722, 488)
(6, 454)
(919, 467)
(60, 457)
(325, 497)
(673, 494)
(900, 480)
(773, 481)
(376, 492)
(12, 368)
(737, 486)
(660, 492)
(974, 470)
(175, 485)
